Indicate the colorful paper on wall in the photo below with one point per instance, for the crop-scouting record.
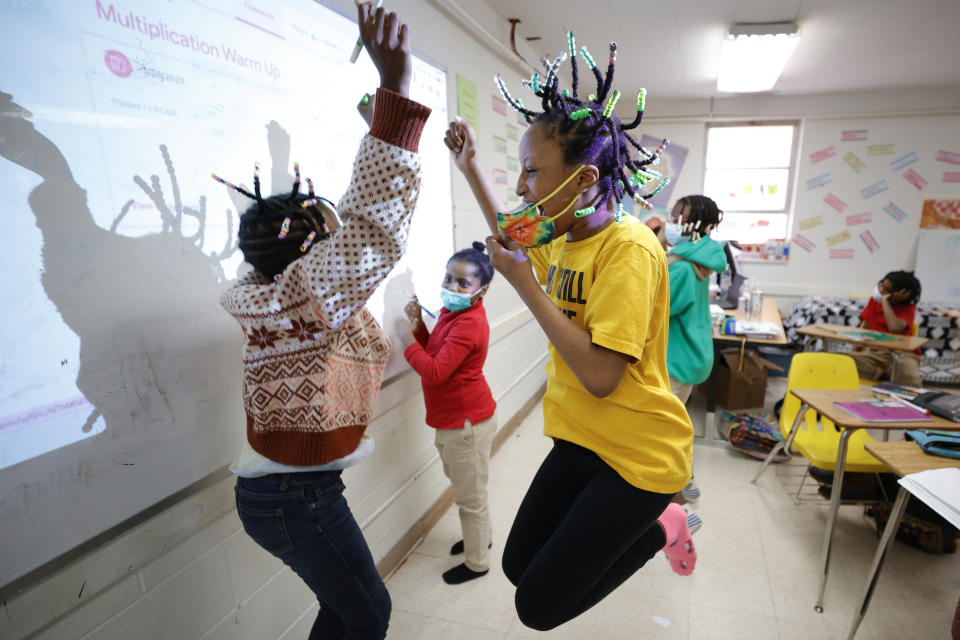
(513, 164)
(951, 176)
(873, 189)
(467, 106)
(499, 144)
(940, 214)
(671, 164)
(895, 212)
(859, 218)
(810, 223)
(880, 150)
(841, 254)
(950, 157)
(869, 241)
(499, 105)
(854, 135)
(904, 161)
(804, 242)
(823, 154)
(773, 189)
(499, 176)
(837, 238)
(513, 133)
(835, 202)
(855, 163)
(819, 181)
(915, 179)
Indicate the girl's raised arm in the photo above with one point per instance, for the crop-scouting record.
(462, 142)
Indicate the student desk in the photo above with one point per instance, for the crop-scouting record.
(768, 314)
(903, 458)
(829, 332)
(821, 401)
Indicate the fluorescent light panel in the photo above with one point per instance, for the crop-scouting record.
(753, 56)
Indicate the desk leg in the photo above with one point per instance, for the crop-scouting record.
(889, 534)
(781, 446)
(835, 492)
(710, 429)
(806, 343)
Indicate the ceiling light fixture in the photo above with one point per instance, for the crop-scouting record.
(753, 55)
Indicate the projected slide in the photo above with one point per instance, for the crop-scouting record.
(113, 118)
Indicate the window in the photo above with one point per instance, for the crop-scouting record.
(749, 173)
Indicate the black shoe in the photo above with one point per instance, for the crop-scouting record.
(461, 573)
(457, 547)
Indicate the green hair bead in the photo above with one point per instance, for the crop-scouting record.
(566, 92)
(535, 82)
(641, 99)
(620, 212)
(586, 56)
(582, 213)
(572, 43)
(592, 97)
(611, 103)
(579, 114)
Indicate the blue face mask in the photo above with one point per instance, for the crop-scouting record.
(455, 301)
(673, 234)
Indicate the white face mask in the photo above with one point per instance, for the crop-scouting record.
(673, 234)
(876, 294)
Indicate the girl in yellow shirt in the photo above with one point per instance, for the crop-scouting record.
(596, 281)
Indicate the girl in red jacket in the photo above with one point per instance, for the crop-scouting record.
(459, 403)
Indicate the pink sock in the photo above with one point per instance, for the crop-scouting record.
(679, 547)
(674, 522)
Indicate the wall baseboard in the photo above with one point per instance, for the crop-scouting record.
(400, 551)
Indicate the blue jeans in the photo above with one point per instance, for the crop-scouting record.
(303, 519)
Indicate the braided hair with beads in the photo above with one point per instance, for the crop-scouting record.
(701, 216)
(275, 231)
(588, 131)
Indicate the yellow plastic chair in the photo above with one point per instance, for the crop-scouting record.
(819, 441)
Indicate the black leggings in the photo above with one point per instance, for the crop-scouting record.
(580, 532)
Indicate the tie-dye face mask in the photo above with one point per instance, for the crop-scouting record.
(527, 225)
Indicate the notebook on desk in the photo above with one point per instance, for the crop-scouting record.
(883, 411)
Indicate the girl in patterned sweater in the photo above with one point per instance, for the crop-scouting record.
(314, 356)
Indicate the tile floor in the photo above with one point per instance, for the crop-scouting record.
(757, 573)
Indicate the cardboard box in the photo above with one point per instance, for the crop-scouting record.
(741, 386)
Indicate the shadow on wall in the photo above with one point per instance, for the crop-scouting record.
(153, 339)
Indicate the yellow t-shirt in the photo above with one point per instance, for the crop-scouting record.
(615, 285)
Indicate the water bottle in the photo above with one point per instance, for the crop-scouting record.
(756, 300)
(743, 303)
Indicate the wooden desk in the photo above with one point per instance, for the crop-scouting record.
(821, 401)
(829, 332)
(903, 458)
(770, 313)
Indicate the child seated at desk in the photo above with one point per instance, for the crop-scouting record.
(891, 309)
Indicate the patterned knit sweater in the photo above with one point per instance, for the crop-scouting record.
(313, 355)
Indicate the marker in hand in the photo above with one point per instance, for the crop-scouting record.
(357, 48)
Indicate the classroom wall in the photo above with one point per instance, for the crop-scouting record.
(188, 570)
(923, 121)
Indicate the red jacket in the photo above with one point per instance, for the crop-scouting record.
(450, 363)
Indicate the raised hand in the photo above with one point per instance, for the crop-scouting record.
(461, 139)
(387, 40)
(511, 260)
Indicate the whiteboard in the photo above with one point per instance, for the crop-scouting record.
(119, 372)
(938, 260)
